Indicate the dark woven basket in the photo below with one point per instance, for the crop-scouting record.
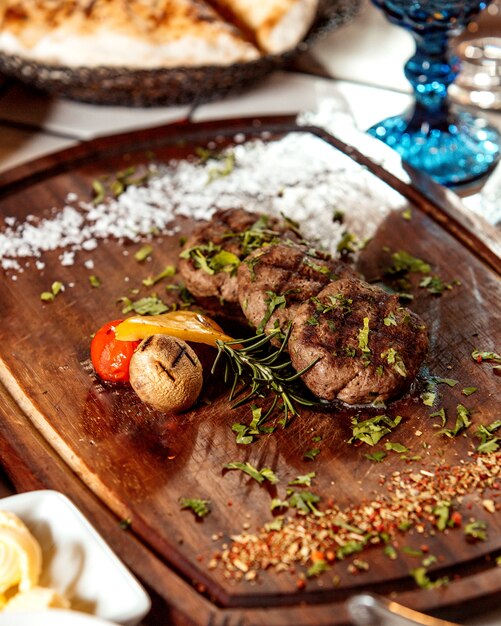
(167, 86)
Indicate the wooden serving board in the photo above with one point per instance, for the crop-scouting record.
(137, 463)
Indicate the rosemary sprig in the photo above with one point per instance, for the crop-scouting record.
(263, 369)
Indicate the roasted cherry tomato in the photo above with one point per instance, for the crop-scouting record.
(111, 357)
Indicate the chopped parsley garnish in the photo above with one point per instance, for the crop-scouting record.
(423, 580)
(390, 320)
(304, 502)
(468, 391)
(479, 356)
(363, 339)
(247, 434)
(317, 568)
(476, 530)
(394, 359)
(451, 382)
(276, 503)
(274, 303)
(312, 454)
(304, 479)
(442, 512)
(338, 216)
(407, 214)
(225, 170)
(167, 272)
(441, 415)
(428, 397)
(143, 253)
(404, 262)
(489, 442)
(125, 523)
(212, 258)
(94, 281)
(56, 288)
(200, 508)
(435, 285)
(259, 475)
(376, 457)
(463, 421)
(395, 447)
(150, 305)
(348, 244)
(373, 429)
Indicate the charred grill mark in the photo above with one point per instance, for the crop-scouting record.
(182, 352)
(145, 343)
(162, 367)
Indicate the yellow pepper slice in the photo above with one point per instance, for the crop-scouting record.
(187, 325)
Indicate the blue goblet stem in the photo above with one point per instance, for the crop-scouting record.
(430, 72)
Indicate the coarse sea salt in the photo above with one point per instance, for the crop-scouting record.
(299, 176)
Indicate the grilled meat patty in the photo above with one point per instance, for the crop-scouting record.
(369, 348)
(210, 257)
(274, 281)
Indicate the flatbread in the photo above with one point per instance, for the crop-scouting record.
(129, 33)
(277, 25)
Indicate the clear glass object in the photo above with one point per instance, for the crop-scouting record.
(452, 146)
(479, 49)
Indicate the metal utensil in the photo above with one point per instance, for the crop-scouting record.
(367, 609)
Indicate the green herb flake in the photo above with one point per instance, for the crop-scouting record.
(276, 503)
(492, 357)
(390, 552)
(275, 526)
(125, 523)
(94, 281)
(338, 216)
(143, 253)
(376, 457)
(489, 442)
(394, 359)
(303, 480)
(363, 337)
(304, 502)
(373, 429)
(423, 581)
(442, 512)
(225, 170)
(98, 191)
(441, 415)
(312, 454)
(451, 382)
(405, 262)
(407, 214)
(167, 272)
(319, 567)
(428, 398)
(468, 391)
(200, 508)
(258, 475)
(476, 530)
(390, 320)
(395, 447)
(410, 551)
(56, 288)
(150, 305)
(274, 303)
(435, 285)
(463, 421)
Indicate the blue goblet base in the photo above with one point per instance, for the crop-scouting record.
(459, 152)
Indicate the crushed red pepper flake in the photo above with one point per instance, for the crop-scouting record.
(410, 500)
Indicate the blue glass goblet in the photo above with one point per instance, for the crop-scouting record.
(452, 146)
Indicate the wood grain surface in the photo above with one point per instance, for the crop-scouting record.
(137, 463)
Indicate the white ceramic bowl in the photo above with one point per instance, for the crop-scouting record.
(51, 617)
(77, 562)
